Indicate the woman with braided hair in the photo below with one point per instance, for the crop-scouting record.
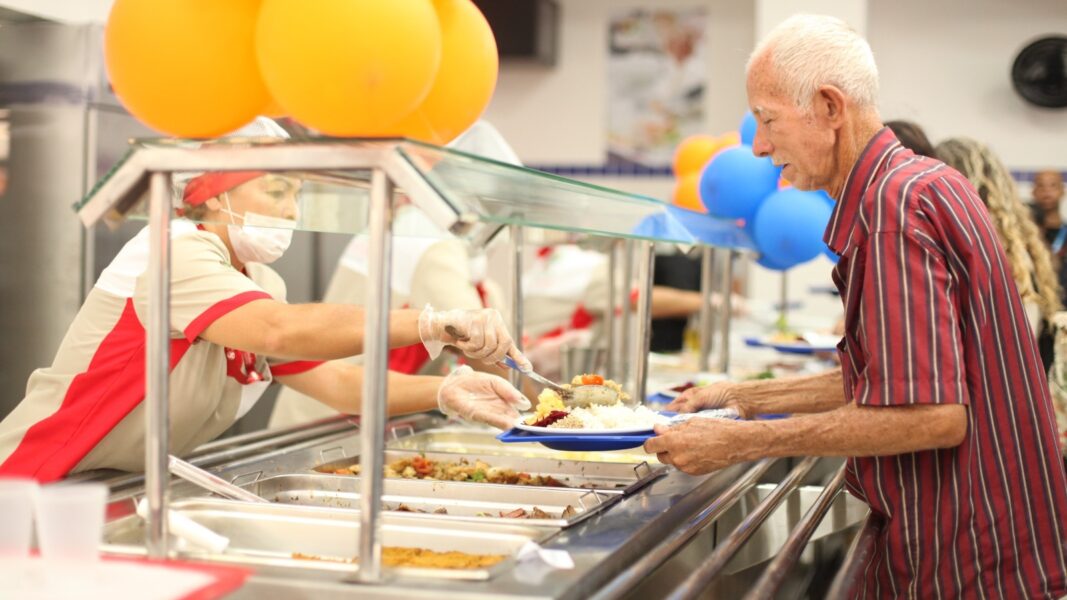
(1029, 257)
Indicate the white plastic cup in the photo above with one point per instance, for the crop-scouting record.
(17, 497)
(70, 521)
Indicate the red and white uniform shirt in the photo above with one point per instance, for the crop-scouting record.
(85, 411)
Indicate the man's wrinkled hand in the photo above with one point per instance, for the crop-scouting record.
(721, 394)
(701, 446)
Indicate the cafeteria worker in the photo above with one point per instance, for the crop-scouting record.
(231, 335)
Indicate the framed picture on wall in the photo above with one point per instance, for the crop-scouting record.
(656, 80)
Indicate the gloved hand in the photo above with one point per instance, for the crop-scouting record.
(480, 397)
(480, 334)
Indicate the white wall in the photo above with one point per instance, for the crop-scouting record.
(944, 64)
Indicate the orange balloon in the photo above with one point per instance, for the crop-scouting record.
(687, 192)
(273, 110)
(348, 67)
(727, 140)
(696, 151)
(692, 154)
(185, 67)
(465, 81)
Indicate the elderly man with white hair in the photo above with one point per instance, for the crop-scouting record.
(940, 404)
(232, 333)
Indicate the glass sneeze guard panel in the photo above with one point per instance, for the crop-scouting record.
(336, 200)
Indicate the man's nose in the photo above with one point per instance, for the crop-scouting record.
(760, 145)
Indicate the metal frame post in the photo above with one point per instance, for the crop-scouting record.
(609, 315)
(642, 341)
(613, 318)
(375, 382)
(726, 283)
(516, 241)
(783, 301)
(157, 366)
(626, 339)
(707, 284)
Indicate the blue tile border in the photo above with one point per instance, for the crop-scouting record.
(635, 170)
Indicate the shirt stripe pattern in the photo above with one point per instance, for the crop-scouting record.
(933, 316)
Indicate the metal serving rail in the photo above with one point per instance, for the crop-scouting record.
(640, 546)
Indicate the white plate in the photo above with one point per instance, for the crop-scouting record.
(553, 431)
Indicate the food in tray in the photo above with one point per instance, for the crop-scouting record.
(594, 379)
(518, 513)
(685, 386)
(396, 556)
(552, 413)
(534, 513)
(786, 337)
(420, 467)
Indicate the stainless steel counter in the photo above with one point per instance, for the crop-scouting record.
(653, 531)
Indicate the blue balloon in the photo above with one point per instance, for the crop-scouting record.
(767, 263)
(831, 255)
(748, 128)
(790, 225)
(826, 198)
(735, 182)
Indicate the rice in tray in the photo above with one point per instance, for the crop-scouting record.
(614, 416)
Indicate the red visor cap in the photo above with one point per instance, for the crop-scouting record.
(209, 185)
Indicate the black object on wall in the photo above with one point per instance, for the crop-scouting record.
(1039, 73)
(525, 30)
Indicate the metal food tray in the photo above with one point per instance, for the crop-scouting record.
(463, 502)
(266, 536)
(603, 477)
(464, 440)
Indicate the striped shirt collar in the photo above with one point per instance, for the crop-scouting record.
(867, 167)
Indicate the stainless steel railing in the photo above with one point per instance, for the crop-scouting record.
(678, 538)
(701, 578)
(787, 557)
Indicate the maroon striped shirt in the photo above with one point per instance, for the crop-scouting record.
(932, 316)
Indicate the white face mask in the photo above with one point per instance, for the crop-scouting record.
(261, 239)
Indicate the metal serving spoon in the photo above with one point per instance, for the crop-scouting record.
(573, 396)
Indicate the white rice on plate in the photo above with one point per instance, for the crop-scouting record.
(614, 416)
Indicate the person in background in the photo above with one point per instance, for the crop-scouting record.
(566, 296)
(940, 404)
(232, 333)
(1028, 256)
(431, 267)
(1047, 197)
(912, 137)
(1045, 210)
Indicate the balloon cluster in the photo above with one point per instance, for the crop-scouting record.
(731, 182)
(690, 158)
(202, 68)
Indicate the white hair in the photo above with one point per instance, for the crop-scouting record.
(808, 51)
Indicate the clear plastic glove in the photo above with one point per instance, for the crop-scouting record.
(480, 397)
(721, 394)
(480, 334)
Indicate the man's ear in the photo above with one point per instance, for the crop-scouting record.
(830, 103)
(213, 203)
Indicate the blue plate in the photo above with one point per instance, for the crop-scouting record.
(577, 443)
(789, 348)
